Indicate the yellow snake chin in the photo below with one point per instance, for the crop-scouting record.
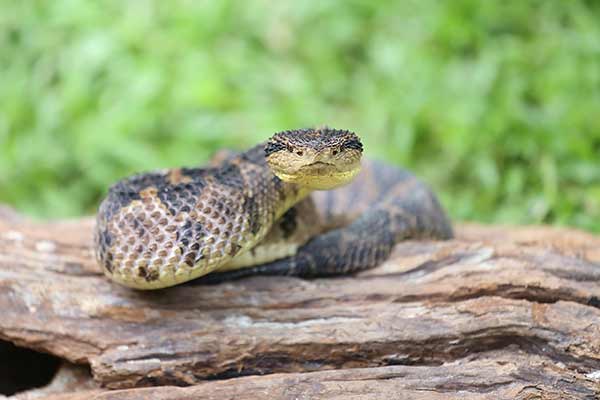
(324, 178)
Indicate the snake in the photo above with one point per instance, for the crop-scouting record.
(303, 203)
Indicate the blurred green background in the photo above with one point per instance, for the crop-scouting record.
(496, 104)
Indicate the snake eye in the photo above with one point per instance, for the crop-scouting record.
(335, 152)
(299, 153)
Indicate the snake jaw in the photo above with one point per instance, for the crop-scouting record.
(319, 175)
(321, 179)
(319, 165)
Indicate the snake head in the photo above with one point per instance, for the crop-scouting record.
(319, 159)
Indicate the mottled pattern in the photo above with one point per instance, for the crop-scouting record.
(163, 228)
(159, 229)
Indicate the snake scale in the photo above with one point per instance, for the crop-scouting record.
(299, 204)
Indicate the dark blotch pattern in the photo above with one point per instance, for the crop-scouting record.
(279, 187)
(255, 156)
(235, 248)
(288, 223)
(251, 207)
(103, 241)
(148, 275)
(190, 235)
(175, 197)
(121, 194)
(197, 174)
(230, 176)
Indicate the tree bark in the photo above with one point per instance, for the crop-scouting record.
(500, 312)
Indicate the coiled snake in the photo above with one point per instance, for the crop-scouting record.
(264, 211)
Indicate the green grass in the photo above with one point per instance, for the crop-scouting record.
(496, 104)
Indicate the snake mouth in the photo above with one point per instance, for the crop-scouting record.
(319, 167)
(320, 175)
(319, 163)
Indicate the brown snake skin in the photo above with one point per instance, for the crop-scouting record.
(381, 207)
(163, 228)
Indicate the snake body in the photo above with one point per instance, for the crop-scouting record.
(252, 214)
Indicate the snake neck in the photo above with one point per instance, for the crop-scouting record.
(287, 194)
(295, 194)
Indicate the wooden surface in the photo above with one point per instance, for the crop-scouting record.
(498, 313)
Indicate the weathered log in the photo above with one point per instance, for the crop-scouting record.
(494, 376)
(498, 312)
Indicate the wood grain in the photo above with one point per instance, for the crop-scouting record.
(500, 312)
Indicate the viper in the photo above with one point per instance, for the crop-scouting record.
(304, 203)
